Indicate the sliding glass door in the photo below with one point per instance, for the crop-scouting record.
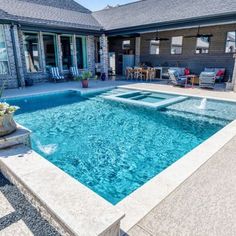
(31, 45)
(66, 52)
(49, 51)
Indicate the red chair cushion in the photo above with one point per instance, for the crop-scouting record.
(186, 71)
(220, 73)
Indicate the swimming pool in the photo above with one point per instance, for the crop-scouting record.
(115, 148)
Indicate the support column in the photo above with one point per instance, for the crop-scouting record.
(59, 53)
(137, 50)
(74, 50)
(17, 56)
(90, 53)
(104, 54)
(42, 53)
(234, 74)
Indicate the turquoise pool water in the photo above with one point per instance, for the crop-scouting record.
(115, 148)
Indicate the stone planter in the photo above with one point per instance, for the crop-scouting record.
(84, 83)
(7, 124)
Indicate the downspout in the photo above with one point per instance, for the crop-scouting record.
(18, 75)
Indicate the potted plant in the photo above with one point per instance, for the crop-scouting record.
(7, 123)
(86, 75)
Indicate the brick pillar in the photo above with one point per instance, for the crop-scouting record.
(137, 50)
(234, 74)
(90, 53)
(104, 54)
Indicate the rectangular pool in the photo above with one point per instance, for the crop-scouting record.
(114, 148)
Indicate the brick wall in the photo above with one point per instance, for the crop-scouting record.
(9, 80)
(196, 62)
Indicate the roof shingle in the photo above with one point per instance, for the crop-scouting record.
(34, 11)
(159, 11)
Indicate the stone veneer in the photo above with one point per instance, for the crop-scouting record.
(91, 53)
(9, 80)
(104, 55)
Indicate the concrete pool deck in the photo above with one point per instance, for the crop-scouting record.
(205, 204)
(150, 229)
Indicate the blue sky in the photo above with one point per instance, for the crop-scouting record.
(99, 4)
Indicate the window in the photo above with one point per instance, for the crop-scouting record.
(3, 53)
(126, 45)
(176, 45)
(31, 52)
(203, 44)
(155, 47)
(231, 42)
(79, 53)
(49, 51)
(66, 52)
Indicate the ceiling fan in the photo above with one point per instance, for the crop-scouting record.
(199, 35)
(157, 38)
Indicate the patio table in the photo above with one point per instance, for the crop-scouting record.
(194, 79)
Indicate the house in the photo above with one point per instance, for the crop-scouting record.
(38, 34)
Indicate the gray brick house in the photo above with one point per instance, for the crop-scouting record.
(38, 34)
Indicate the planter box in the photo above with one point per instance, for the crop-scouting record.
(20, 136)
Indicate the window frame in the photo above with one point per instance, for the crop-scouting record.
(70, 36)
(150, 45)
(39, 48)
(227, 40)
(55, 48)
(127, 40)
(181, 45)
(205, 53)
(8, 63)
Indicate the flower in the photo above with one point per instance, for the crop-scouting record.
(5, 108)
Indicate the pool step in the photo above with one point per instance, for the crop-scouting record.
(139, 97)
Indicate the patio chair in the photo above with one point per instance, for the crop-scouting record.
(207, 80)
(55, 74)
(75, 72)
(129, 73)
(138, 73)
(176, 79)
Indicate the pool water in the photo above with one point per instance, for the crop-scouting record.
(113, 148)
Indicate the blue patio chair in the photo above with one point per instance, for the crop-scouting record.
(176, 79)
(75, 72)
(55, 74)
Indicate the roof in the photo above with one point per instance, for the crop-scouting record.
(70, 14)
(146, 12)
(62, 13)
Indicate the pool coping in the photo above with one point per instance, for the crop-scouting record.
(143, 200)
(71, 207)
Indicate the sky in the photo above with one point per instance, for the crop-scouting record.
(95, 5)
